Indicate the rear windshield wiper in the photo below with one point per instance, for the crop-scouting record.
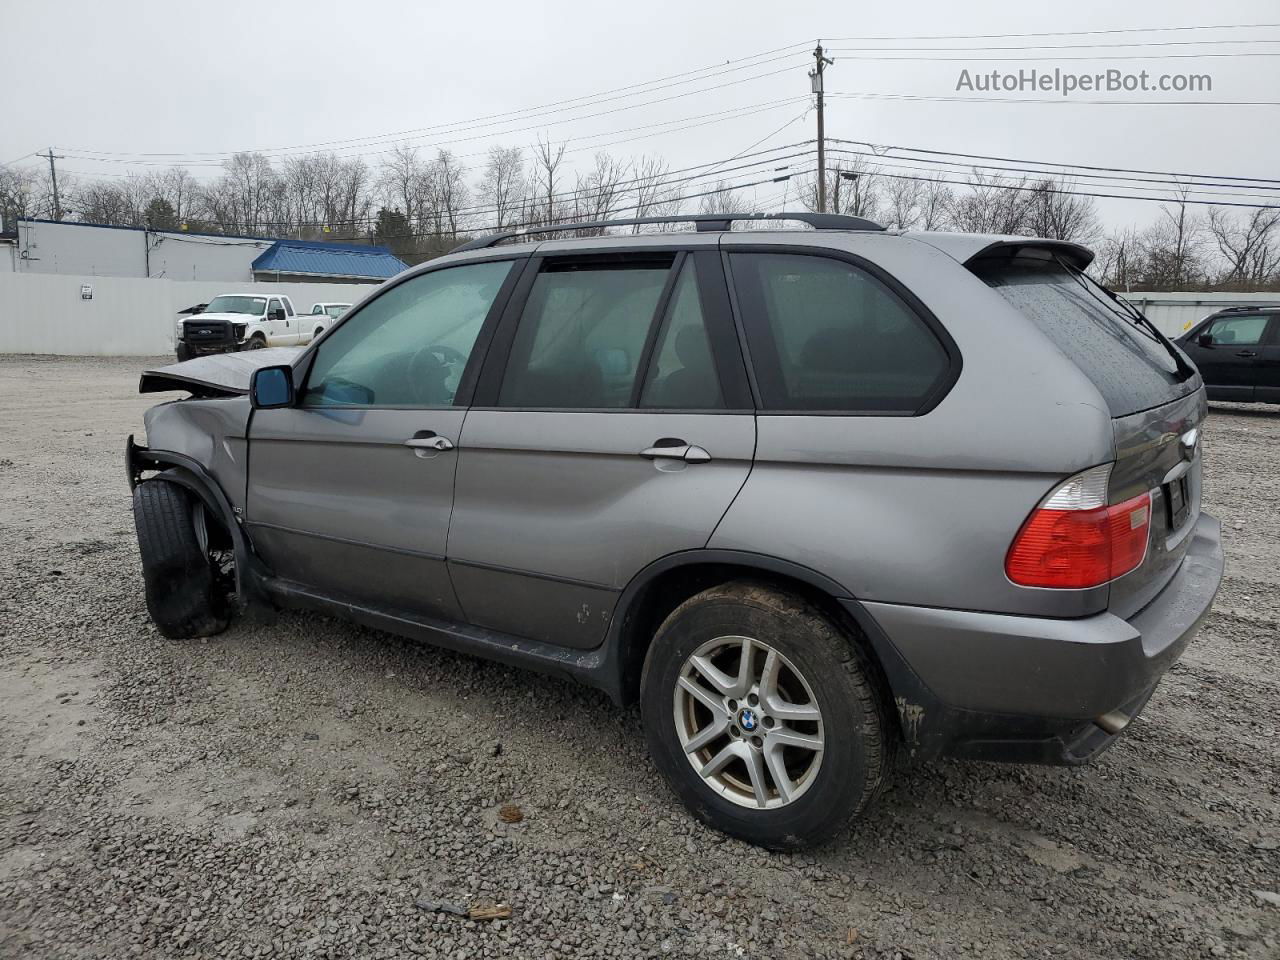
(1185, 371)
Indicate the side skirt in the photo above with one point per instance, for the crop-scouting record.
(591, 667)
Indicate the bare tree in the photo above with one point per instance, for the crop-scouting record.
(935, 203)
(989, 205)
(1182, 234)
(903, 200)
(853, 187)
(655, 196)
(502, 185)
(597, 194)
(1247, 243)
(1052, 210)
(19, 194)
(400, 180)
(448, 178)
(544, 207)
(723, 198)
(1119, 259)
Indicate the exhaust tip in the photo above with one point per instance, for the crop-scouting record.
(1113, 721)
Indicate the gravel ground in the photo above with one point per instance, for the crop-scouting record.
(312, 788)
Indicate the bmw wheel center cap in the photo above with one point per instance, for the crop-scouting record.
(748, 720)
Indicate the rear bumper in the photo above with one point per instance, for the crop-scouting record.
(1002, 687)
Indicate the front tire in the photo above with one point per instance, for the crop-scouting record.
(764, 716)
(256, 342)
(182, 352)
(187, 590)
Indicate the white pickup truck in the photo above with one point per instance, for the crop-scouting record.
(323, 314)
(242, 321)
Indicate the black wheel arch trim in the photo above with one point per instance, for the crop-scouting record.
(615, 670)
(190, 473)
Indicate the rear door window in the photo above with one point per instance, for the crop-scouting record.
(1130, 368)
(581, 337)
(683, 375)
(826, 335)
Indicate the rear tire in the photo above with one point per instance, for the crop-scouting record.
(319, 330)
(186, 592)
(810, 741)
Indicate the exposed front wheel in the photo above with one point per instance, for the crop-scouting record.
(186, 561)
(256, 342)
(764, 716)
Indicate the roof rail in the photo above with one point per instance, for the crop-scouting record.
(704, 223)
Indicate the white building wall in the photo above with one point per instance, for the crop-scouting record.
(85, 250)
(126, 316)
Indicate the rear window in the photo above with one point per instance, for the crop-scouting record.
(825, 335)
(1130, 368)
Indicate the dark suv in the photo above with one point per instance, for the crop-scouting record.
(1237, 351)
(811, 497)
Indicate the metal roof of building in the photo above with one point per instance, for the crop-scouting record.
(328, 259)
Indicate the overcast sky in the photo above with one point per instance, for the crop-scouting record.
(200, 80)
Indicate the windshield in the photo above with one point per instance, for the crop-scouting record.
(237, 304)
(1131, 369)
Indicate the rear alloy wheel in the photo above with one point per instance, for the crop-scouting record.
(754, 735)
(765, 717)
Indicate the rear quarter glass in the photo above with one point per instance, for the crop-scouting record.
(1130, 369)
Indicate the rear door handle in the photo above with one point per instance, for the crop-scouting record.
(429, 443)
(688, 452)
(1247, 353)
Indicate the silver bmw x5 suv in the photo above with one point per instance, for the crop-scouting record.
(813, 498)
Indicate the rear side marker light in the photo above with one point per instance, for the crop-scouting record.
(1074, 539)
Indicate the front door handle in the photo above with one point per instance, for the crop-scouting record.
(1247, 353)
(688, 452)
(429, 443)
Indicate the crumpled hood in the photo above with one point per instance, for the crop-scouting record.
(217, 375)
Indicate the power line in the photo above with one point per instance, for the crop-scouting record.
(480, 136)
(1065, 33)
(1164, 186)
(576, 195)
(1055, 57)
(1078, 193)
(1078, 166)
(531, 226)
(1072, 101)
(686, 123)
(1060, 46)
(1006, 174)
(475, 123)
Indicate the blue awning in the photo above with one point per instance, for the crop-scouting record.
(329, 260)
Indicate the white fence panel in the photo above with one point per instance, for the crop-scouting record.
(123, 316)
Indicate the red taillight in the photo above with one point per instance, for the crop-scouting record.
(1068, 542)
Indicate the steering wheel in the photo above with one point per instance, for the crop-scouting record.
(428, 370)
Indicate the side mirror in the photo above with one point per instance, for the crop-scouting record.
(279, 314)
(271, 387)
(1205, 339)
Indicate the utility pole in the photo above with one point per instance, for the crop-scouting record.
(815, 78)
(53, 176)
